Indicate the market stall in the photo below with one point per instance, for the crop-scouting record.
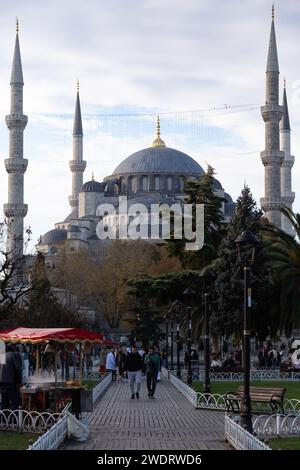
(45, 392)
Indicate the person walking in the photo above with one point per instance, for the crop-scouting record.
(111, 364)
(10, 379)
(153, 365)
(133, 366)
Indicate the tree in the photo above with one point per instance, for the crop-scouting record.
(102, 284)
(284, 251)
(202, 191)
(227, 316)
(14, 285)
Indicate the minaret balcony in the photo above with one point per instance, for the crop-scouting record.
(288, 198)
(77, 165)
(16, 120)
(73, 200)
(15, 165)
(271, 203)
(15, 210)
(272, 112)
(288, 161)
(272, 157)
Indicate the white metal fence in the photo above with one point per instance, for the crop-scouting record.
(54, 437)
(263, 374)
(277, 425)
(27, 421)
(241, 439)
(185, 389)
(101, 387)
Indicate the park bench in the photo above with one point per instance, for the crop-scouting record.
(273, 396)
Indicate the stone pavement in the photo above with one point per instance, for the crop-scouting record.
(169, 422)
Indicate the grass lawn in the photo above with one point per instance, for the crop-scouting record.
(16, 440)
(292, 387)
(288, 443)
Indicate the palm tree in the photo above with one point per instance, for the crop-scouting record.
(284, 250)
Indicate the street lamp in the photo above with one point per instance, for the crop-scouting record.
(189, 294)
(171, 317)
(167, 318)
(177, 310)
(208, 277)
(246, 244)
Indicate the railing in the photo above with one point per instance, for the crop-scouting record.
(27, 421)
(217, 401)
(54, 437)
(258, 375)
(277, 425)
(185, 389)
(101, 387)
(241, 439)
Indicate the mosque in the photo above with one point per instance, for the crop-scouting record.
(156, 174)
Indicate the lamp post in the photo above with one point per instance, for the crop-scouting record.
(246, 243)
(177, 309)
(167, 338)
(189, 293)
(207, 276)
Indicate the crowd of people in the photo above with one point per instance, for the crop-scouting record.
(132, 364)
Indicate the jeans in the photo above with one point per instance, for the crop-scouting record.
(135, 378)
(151, 382)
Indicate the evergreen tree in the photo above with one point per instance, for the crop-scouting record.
(202, 191)
(228, 296)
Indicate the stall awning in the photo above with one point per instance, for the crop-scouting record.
(43, 335)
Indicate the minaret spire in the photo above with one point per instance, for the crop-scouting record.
(288, 196)
(15, 210)
(272, 157)
(77, 164)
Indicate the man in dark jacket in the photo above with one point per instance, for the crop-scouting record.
(10, 379)
(153, 366)
(134, 365)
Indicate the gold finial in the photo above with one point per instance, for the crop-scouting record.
(273, 11)
(93, 177)
(77, 85)
(158, 142)
(17, 25)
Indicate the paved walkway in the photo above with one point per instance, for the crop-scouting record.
(169, 422)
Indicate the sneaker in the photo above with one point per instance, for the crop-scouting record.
(137, 395)
(132, 396)
(149, 394)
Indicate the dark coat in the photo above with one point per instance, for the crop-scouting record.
(133, 362)
(11, 371)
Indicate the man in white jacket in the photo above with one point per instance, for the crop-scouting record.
(111, 365)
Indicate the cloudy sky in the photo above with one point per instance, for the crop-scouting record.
(199, 63)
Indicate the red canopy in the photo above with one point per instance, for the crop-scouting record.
(41, 335)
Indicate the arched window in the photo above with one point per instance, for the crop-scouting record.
(156, 183)
(181, 183)
(132, 182)
(169, 183)
(144, 183)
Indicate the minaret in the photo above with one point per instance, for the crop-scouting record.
(288, 196)
(15, 210)
(77, 164)
(272, 157)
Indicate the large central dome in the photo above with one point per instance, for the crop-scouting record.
(159, 160)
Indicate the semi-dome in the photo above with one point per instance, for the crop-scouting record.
(92, 187)
(56, 235)
(159, 160)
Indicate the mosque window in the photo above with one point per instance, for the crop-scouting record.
(132, 184)
(181, 183)
(156, 183)
(170, 183)
(144, 183)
